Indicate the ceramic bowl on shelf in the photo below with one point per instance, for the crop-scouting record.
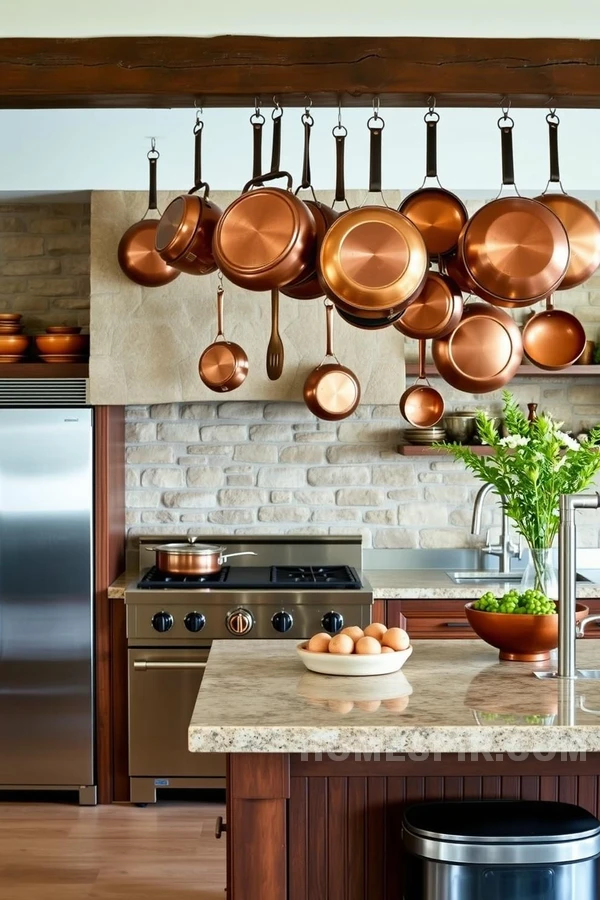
(63, 329)
(62, 347)
(13, 347)
(11, 328)
(10, 317)
(353, 664)
(521, 638)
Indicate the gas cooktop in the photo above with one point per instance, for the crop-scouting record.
(258, 577)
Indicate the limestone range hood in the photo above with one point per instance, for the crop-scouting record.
(146, 342)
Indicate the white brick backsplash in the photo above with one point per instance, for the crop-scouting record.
(315, 498)
(188, 499)
(132, 477)
(133, 413)
(240, 409)
(200, 412)
(451, 494)
(193, 517)
(349, 453)
(167, 478)
(270, 433)
(281, 497)
(338, 475)
(288, 412)
(205, 476)
(232, 516)
(177, 434)
(337, 514)
(306, 454)
(381, 516)
(395, 476)
(282, 477)
(151, 453)
(359, 497)
(165, 411)
(395, 538)
(422, 514)
(256, 453)
(137, 499)
(211, 450)
(224, 433)
(284, 513)
(362, 433)
(159, 516)
(440, 538)
(141, 432)
(242, 497)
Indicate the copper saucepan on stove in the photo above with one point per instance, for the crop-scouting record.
(193, 559)
(137, 254)
(553, 338)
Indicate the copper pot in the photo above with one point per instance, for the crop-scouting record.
(223, 366)
(438, 214)
(483, 352)
(185, 232)
(554, 338)
(137, 254)
(331, 391)
(581, 222)
(422, 405)
(193, 559)
(436, 311)
(514, 248)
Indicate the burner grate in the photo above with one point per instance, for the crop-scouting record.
(315, 576)
(154, 578)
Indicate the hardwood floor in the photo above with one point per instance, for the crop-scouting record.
(51, 851)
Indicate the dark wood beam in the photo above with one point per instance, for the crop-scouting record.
(231, 69)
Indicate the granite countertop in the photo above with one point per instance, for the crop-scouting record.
(450, 697)
(117, 589)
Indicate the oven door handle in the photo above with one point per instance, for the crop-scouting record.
(143, 665)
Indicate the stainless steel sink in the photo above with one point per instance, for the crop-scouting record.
(594, 674)
(471, 576)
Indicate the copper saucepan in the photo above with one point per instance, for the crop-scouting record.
(483, 352)
(185, 233)
(436, 311)
(514, 248)
(438, 214)
(137, 254)
(580, 222)
(373, 258)
(193, 559)
(223, 366)
(331, 391)
(554, 338)
(420, 404)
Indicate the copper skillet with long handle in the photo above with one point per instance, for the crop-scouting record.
(185, 232)
(553, 338)
(223, 366)
(137, 254)
(436, 311)
(581, 222)
(420, 404)
(331, 391)
(373, 258)
(438, 213)
(514, 248)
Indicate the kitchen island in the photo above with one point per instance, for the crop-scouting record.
(320, 768)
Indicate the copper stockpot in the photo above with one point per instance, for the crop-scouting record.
(436, 311)
(420, 404)
(483, 352)
(185, 232)
(514, 249)
(193, 559)
(331, 391)
(581, 222)
(554, 338)
(438, 214)
(373, 258)
(223, 366)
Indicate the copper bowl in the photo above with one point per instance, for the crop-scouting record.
(63, 329)
(62, 344)
(10, 317)
(11, 328)
(521, 638)
(13, 346)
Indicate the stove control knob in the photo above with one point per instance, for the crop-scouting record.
(162, 621)
(194, 621)
(239, 621)
(282, 621)
(332, 622)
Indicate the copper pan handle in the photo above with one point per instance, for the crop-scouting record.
(375, 126)
(308, 122)
(272, 176)
(553, 123)
(422, 349)
(152, 163)
(506, 125)
(339, 133)
(276, 116)
(431, 121)
(329, 324)
(198, 153)
(257, 120)
(220, 292)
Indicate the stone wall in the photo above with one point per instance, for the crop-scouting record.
(249, 467)
(45, 263)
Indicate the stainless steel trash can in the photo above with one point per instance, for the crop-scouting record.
(500, 850)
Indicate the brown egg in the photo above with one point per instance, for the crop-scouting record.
(376, 630)
(368, 705)
(396, 638)
(341, 643)
(386, 649)
(354, 631)
(398, 704)
(341, 706)
(319, 643)
(368, 646)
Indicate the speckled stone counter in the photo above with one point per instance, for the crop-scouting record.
(450, 697)
(117, 589)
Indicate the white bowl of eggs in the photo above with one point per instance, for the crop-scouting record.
(375, 651)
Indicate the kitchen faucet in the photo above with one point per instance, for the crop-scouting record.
(505, 550)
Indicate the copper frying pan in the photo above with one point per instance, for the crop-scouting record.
(185, 232)
(370, 324)
(223, 365)
(514, 248)
(580, 222)
(438, 214)
(422, 405)
(436, 311)
(331, 391)
(137, 253)
(373, 258)
(483, 352)
(554, 338)
(456, 270)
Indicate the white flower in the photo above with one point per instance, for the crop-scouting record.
(559, 464)
(513, 440)
(568, 441)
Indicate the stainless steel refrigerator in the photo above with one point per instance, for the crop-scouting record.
(46, 624)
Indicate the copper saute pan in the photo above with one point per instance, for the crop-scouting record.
(137, 254)
(331, 391)
(580, 222)
(554, 338)
(436, 311)
(370, 324)
(456, 270)
(514, 248)
(192, 558)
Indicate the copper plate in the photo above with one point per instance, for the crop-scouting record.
(373, 258)
(435, 312)
(439, 215)
(583, 228)
(553, 339)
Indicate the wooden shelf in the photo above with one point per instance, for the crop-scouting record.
(44, 370)
(428, 450)
(523, 371)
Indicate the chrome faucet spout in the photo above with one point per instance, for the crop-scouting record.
(478, 507)
(505, 550)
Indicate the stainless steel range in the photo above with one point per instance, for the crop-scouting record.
(292, 588)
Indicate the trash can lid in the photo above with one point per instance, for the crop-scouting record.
(500, 821)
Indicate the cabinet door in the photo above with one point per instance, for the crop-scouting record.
(430, 619)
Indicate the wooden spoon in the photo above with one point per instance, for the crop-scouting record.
(275, 347)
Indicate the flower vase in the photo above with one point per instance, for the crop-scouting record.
(541, 573)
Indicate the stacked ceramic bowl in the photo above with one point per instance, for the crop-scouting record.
(63, 344)
(13, 344)
(425, 435)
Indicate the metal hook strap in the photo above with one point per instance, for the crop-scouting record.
(278, 111)
(339, 122)
(376, 107)
(153, 152)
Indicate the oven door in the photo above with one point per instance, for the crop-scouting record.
(163, 686)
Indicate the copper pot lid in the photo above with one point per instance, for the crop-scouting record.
(433, 311)
(178, 226)
(191, 547)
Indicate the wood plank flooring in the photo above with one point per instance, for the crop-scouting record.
(51, 851)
